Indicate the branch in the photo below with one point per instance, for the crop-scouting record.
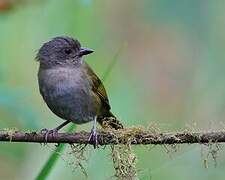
(122, 136)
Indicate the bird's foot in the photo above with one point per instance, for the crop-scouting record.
(45, 131)
(93, 138)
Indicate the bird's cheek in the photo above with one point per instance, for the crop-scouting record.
(76, 61)
(70, 60)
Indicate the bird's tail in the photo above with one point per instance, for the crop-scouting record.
(110, 121)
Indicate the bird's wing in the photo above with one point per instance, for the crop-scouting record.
(98, 87)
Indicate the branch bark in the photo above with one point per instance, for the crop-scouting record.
(123, 136)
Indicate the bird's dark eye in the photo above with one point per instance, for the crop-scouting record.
(68, 51)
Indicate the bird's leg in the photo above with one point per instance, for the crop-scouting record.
(93, 135)
(53, 131)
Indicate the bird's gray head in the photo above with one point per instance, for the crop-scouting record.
(61, 51)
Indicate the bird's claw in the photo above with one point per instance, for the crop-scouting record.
(43, 131)
(47, 132)
(93, 138)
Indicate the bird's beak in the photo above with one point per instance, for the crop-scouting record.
(85, 51)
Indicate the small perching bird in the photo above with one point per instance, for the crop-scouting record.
(69, 86)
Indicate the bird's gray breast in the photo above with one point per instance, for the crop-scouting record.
(67, 93)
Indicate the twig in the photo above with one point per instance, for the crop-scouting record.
(122, 136)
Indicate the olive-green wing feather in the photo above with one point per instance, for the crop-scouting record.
(100, 91)
(98, 88)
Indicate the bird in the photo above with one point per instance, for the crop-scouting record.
(69, 86)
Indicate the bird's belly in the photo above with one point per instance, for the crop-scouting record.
(70, 102)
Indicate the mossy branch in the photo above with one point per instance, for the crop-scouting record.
(122, 136)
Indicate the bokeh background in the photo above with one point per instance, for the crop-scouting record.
(170, 74)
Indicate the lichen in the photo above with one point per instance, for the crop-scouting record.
(124, 162)
(10, 132)
(78, 151)
(123, 157)
(211, 151)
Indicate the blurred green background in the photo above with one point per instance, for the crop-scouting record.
(171, 73)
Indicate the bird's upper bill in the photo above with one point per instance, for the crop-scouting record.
(85, 51)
